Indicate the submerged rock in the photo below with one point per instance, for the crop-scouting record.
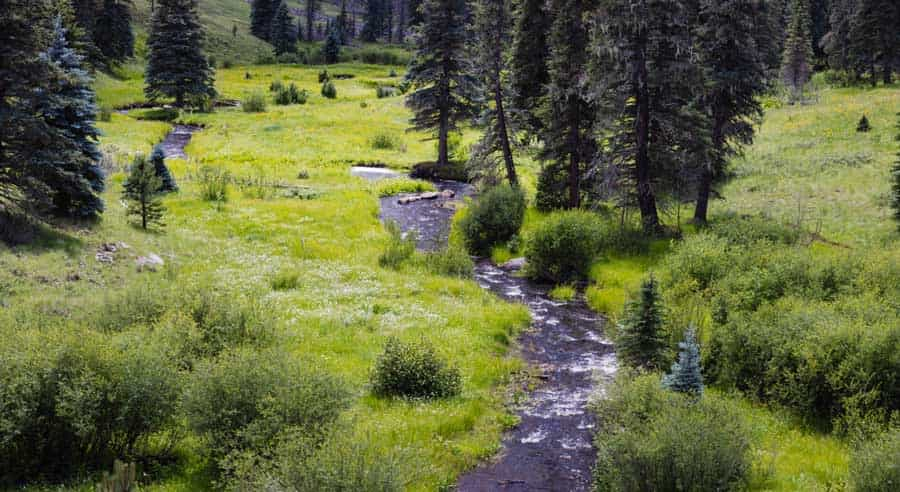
(513, 264)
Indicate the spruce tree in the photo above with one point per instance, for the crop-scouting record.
(733, 40)
(492, 34)
(141, 194)
(343, 24)
(646, 86)
(374, 20)
(166, 180)
(176, 65)
(685, 376)
(261, 14)
(70, 164)
(112, 34)
(331, 50)
(895, 181)
(568, 123)
(874, 38)
(312, 6)
(797, 57)
(836, 42)
(445, 88)
(528, 64)
(640, 342)
(282, 36)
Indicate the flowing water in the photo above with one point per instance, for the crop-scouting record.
(177, 139)
(551, 448)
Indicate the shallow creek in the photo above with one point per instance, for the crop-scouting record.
(551, 447)
(177, 139)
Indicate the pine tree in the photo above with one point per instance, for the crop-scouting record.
(685, 376)
(836, 42)
(646, 86)
(141, 193)
(492, 34)
(795, 65)
(733, 40)
(176, 65)
(71, 162)
(640, 342)
(261, 14)
(166, 180)
(528, 64)
(863, 125)
(568, 119)
(374, 20)
(895, 181)
(343, 24)
(282, 36)
(331, 50)
(874, 37)
(112, 34)
(312, 6)
(445, 89)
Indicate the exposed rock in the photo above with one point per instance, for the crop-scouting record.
(151, 262)
(514, 264)
(105, 257)
(428, 195)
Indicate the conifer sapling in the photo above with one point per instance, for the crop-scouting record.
(685, 375)
(640, 342)
(141, 193)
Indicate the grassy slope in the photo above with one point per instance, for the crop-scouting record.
(345, 305)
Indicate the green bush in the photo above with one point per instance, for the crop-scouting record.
(246, 401)
(562, 247)
(875, 465)
(214, 184)
(276, 86)
(451, 261)
(290, 95)
(413, 370)
(254, 102)
(652, 439)
(225, 320)
(329, 90)
(493, 218)
(383, 56)
(74, 402)
(399, 248)
(454, 171)
(105, 113)
(384, 141)
(383, 91)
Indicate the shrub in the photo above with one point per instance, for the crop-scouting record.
(413, 370)
(563, 293)
(286, 280)
(246, 401)
(384, 141)
(254, 102)
(451, 261)
(561, 248)
(454, 171)
(323, 76)
(493, 218)
(140, 303)
(383, 56)
(392, 73)
(105, 113)
(383, 91)
(276, 85)
(214, 184)
(329, 90)
(863, 125)
(225, 320)
(290, 95)
(156, 114)
(640, 341)
(652, 441)
(399, 248)
(875, 465)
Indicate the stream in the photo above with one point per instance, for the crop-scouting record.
(551, 447)
(177, 139)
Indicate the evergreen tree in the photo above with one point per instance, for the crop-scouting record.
(261, 14)
(331, 50)
(312, 6)
(874, 37)
(415, 14)
(373, 28)
(282, 36)
(568, 141)
(640, 341)
(895, 181)
(166, 180)
(685, 375)
(445, 89)
(795, 65)
(141, 193)
(388, 27)
(70, 164)
(176, 66)
(112, 34)
(836, 42)
(528, 64)
(492, 34)
(646, 87)
(402, 19)
(733, 40)
(343, 24)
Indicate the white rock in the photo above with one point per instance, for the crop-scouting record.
(150, 262)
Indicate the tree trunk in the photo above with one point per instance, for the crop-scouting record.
(574, 144)
(401, 22)
(873, 78)
(887, 75)
(503, 135)
(645, 195)
(179, 99)
(310, 15)
(704, 186)
(443, 132)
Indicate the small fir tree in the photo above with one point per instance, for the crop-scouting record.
(141, 193)
(796, 68)
(863, 125)
(158, 159)
(685, 375)
(331, 50)
(282, 35)
(640, 342)
(176, 65)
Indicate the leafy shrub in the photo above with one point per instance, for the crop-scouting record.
(141, 303)
(395, 186)
(875, 465)
(649, 440)
(454, 171)
(493, 218)
(563, 293)
(290, 95)
(214, 184)
(413, 370)
(105, 113)
(384, 141)
(276, 86)
(399, 248)
(156, 114)
(329, 90)
(561, 248)
(74, 402)
(246, 401)
(225, 320)
(451, 261)
(254, 102)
